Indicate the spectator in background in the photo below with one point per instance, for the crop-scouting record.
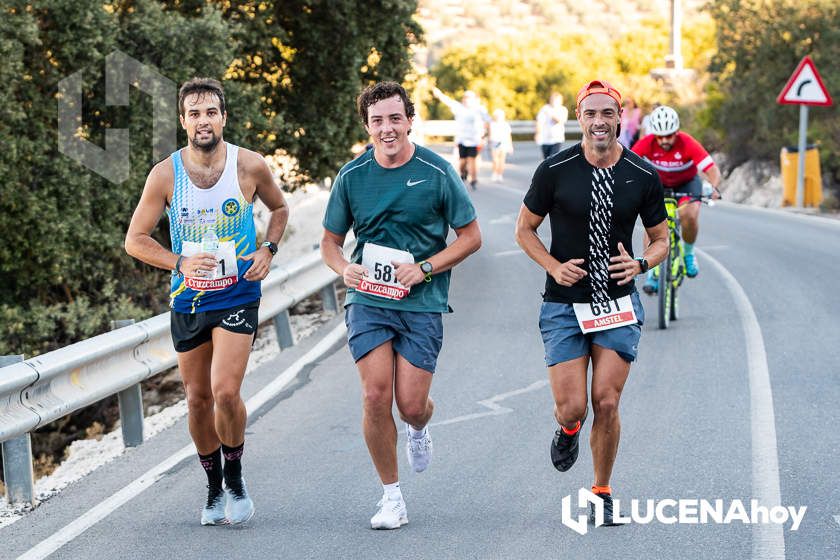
(631, 120)
(501, 143)
(551, 125)
(471, 124)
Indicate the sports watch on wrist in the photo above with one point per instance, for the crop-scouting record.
(643, 264)
(272, 247)
(426, 268)
(178, 266)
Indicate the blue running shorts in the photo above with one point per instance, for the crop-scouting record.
(417, 336)
(563, 340)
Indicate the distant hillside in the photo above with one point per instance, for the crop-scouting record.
(449, 22)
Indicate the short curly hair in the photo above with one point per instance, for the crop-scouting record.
(378, 92)
(201, 86)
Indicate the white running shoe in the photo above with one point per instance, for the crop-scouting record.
(214, 512)
(240, 507)
(419, 450)
(391, 515)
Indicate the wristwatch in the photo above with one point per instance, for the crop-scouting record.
(178, 266)
(643, 264)
(426, 268)
(272, 247)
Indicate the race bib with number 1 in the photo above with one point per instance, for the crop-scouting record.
(593, 317)
(382, 275)
(226, 273)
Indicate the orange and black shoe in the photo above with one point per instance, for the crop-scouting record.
(564, 446)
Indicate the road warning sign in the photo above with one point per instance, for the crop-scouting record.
(805, 86)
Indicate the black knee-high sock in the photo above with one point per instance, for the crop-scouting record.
(233, 462)
(212, 464)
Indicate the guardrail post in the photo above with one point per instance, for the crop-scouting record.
(330, 298)
(17, 460)
(131, 403)
(283, 326)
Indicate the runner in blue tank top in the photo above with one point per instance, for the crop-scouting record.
(401, 200)
(208, 190)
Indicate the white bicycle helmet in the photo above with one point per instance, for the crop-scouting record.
(664, 121)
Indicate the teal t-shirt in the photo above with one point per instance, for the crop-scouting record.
(410, 208)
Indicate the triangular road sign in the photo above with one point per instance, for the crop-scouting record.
(805, 86)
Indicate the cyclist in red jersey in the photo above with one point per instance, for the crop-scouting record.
(678, 158)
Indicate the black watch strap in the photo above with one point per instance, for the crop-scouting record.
(643, 264)
(178, 265)
(272, 247)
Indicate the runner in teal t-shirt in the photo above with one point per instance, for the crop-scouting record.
(410, 208)
(400, 200)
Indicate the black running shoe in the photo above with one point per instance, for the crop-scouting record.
(608, 511)
(564, 449)
(473, 184)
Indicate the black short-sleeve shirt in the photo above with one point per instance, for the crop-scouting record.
(590, 210)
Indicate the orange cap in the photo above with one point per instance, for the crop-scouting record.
(598, 86)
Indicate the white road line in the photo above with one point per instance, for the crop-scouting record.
(768, 539)
(101, 511)
(492, 404)
(509, 253)
(518, 192)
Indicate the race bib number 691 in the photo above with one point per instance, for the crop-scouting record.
(600, 316)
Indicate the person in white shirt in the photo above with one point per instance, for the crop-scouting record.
(471, 122)
(501, 143)
(551, 125)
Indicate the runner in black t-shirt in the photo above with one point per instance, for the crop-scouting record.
(592, 192)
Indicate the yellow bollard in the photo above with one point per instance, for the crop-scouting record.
(813, 179)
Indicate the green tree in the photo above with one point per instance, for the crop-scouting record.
(518, 73)
(759, 43)
(291, 71)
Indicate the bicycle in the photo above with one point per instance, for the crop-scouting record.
(670, 273)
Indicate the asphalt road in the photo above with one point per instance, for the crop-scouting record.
(690, 413)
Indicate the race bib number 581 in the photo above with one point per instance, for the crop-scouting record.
(610, 314)
(382, 275)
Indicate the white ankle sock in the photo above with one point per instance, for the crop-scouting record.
(392, 490)
(416, 434)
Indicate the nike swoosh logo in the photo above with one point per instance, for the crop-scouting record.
(411, 183)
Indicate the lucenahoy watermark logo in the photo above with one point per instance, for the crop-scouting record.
(684, 511)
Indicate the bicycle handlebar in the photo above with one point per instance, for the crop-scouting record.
(704, 198)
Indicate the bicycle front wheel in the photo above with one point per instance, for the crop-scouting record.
(665, 291)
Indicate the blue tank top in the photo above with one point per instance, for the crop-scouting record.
(223, 209)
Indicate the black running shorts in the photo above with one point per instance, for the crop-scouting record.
(467, 151)
(191, 330)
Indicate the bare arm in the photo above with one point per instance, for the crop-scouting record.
(446, 100)
(468, 241)
(138, 240)
(566, 273)
(624, 267)
(269, 192)
(332, 253)
(714, 177)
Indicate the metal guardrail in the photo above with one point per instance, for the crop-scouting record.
(447, 128)
(40, 390)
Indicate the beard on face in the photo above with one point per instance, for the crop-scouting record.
(205, 145)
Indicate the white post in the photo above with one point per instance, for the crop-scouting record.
(800, 172)
(674, 59)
